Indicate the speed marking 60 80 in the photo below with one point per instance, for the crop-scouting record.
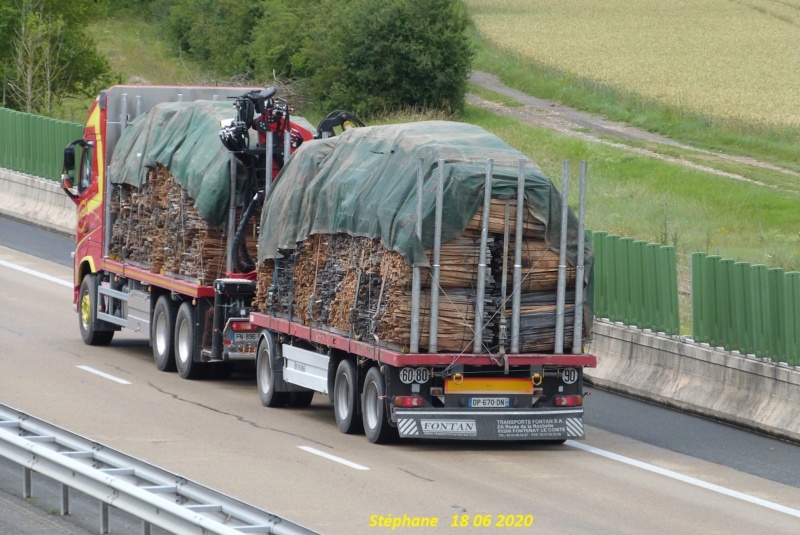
(414, 375)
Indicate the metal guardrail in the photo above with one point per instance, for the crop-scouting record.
(157, 497)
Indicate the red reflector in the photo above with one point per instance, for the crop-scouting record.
(408, 401)
(569, 401)
(241, 326)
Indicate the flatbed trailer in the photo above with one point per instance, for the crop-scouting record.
(420, 395)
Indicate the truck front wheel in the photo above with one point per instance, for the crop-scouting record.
(185, 347)
(345, 398)
(373, 407)
(87, 307)
(161, 337)
(265, 374)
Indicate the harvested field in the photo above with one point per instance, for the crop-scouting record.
(715, 57)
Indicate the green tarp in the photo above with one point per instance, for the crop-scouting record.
(363, 183)
(184, 138)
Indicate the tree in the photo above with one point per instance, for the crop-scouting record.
(47, 53)
(215, 32)
(38, 37)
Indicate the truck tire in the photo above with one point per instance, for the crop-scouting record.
(265, 374)
(345, 398)
(186, 349)
(87, 307)
(163, 333)
(373, 409)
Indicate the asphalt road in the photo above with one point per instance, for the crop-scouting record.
(642, 468)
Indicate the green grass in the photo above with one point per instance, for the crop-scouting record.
(764, 175)
(493, 96)
(137, 55)
(137, 52)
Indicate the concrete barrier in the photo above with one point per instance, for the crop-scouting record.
(37, 201)
(669, 370)
(694, 377)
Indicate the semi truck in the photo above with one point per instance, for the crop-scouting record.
(426, 277)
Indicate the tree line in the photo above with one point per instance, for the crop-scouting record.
(364, 55)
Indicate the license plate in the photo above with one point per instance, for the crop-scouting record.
(488, 402)
(245, 337)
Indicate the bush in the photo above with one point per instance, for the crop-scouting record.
(215, 32)
(388, 55)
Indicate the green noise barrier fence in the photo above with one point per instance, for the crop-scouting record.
(34, 144)
(746, 308)
(636, 283)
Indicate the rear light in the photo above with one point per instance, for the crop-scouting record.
(243, 326)
(408, 401)
(569, 401)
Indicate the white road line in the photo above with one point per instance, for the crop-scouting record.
(333, 458)
(35, 273)
(102, 374)
(686, 479)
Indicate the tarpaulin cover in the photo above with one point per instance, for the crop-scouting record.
(184, 138)
(364, 183)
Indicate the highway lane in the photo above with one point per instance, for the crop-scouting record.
(217, 434)
(35, 241)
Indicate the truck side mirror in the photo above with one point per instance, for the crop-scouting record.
(69, 158)
(67, 181)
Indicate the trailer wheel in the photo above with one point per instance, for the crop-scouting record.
(87, 305)
(162, 334)
(345, 398)
(373, 408)
(185, 347)
(265, 374)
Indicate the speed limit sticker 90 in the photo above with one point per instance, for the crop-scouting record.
(569, 375)
(414, 375)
